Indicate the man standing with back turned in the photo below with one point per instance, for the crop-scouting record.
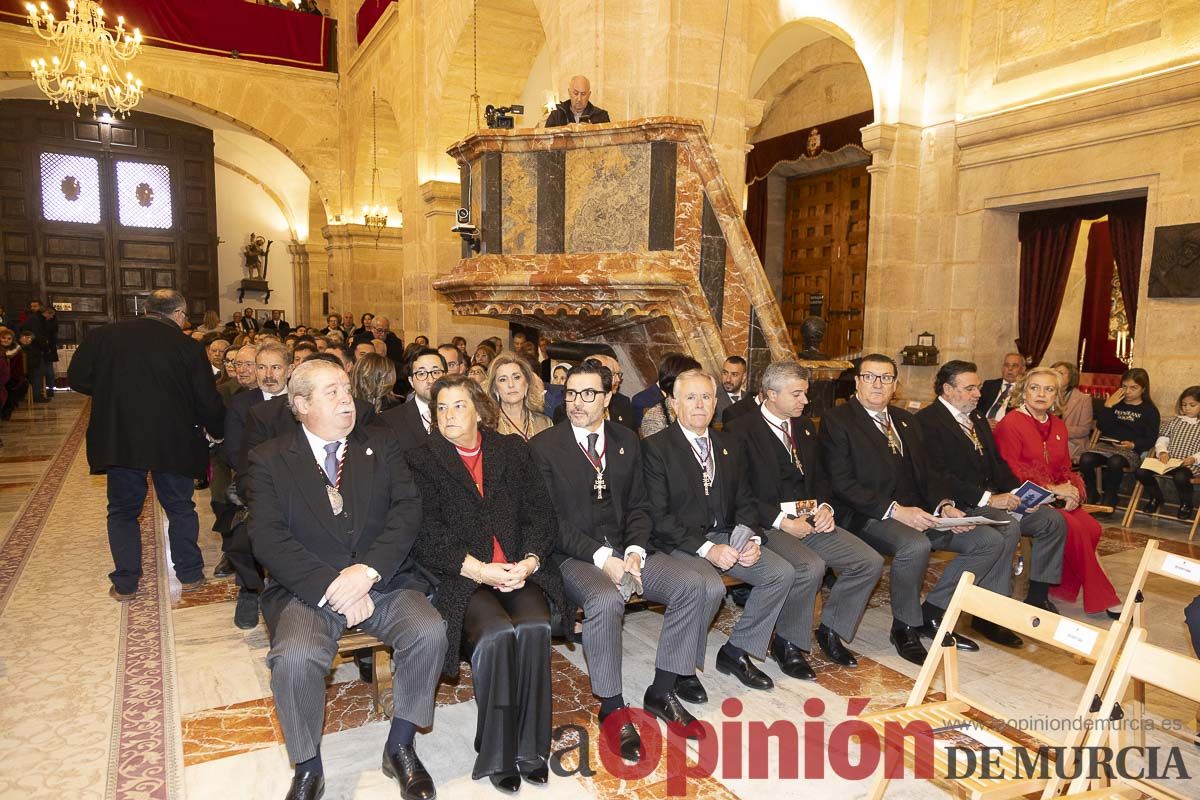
(153, 399)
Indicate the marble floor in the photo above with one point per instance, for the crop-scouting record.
(164, 698)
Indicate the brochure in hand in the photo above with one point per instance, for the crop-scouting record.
(1031, 496)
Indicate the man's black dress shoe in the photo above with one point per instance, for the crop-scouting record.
(667, 707)
(1186, 512)
(1152, 505)
(790, 659)
(689, 689)
(908, 644)
(997, 633)
(245, 613)
(930, 628)
(833, 648)
(306, 786)
(627, 742)
(365, 661)
(1044, 605)
(535, 772)
(405, 767)
(744, 670)
(223, 569)
(507, 782)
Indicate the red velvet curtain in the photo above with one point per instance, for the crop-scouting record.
(368, 14)
(756, 216)
(1127, 224)
(216, 27)
(1047, 246)
(1101, 352)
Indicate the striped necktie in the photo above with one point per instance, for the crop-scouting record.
(884, 421)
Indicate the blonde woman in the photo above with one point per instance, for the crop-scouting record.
(371, 380)
(519, 393)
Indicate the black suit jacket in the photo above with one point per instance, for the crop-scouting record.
(561, 115)
(294, 533)
(153, 396)
(405, 421)
(675, 486)
(769, 466)
(569, 478)
(855, 456)
(743, 406)
(236, 416)
(248, 324)
(952, 453)
(274, 418)
(988, 393)
(279, 327)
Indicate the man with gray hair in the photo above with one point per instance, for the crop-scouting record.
(153, 399)
(792, 491)
(333, 517)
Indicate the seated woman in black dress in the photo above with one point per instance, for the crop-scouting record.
(487, 532)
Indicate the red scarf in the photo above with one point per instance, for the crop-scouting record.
(473, 460)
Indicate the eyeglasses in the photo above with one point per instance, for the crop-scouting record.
(586, 395)
(871, 377)
(428, 374)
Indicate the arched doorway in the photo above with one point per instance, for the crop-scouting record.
(808, 188)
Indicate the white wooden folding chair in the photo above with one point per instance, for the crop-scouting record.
(1153, 666)
(1069, 636)
(1155, 561)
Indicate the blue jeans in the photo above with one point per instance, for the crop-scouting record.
(126, 495)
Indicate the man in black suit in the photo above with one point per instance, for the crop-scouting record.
(248, 322)
(577, 107)
(995, 393)
(886, 491)
(277, 324)
(787, 478)
(733, 384)
(273, 366)
(749, 402)
(222, 468)
(593, 470)
(333, 517)
(959, 441)
(153, 401)
(411, 420)
(696, 482)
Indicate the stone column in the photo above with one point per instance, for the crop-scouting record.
(310, 268)
(365, 270)
(426, 311)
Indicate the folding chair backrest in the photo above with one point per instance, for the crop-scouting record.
(1156, 561)
(1155, 666)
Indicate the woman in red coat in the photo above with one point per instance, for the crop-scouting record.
(1034, 443)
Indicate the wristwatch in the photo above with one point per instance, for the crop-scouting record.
(373, 574)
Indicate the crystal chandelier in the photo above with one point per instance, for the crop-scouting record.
(86, 71)
(374, 217)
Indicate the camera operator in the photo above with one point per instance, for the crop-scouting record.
(578, 107)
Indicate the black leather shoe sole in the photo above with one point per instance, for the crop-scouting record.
(961, 642)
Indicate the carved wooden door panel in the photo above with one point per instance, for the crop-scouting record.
(825, 254)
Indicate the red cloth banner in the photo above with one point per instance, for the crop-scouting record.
(368, 14)
(229, 28)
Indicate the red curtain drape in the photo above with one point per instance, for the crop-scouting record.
(1047, 246)
(368, 14)
(1101, 352)
(1127, 225)
(756, 216)
(216, 27)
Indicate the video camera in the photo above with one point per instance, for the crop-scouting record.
(502, 117)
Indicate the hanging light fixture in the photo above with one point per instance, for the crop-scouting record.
(87, 68)
(374, 217)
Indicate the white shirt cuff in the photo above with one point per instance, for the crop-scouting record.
(779, 520)
(639, 550)
(890, 510)
(601, 556)
(825, 505)
(756, 539)
(704, 548)
(983, 501)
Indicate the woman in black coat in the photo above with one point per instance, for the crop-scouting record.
(486, 535)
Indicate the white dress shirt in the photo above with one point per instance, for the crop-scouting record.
(602, 554)
(318, 447)
(423, 412)
(776, 425)
(702, 551)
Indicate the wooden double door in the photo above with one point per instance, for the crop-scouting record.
(95, 215)
(825, 255)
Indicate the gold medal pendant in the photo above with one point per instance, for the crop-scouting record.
(335, 499)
